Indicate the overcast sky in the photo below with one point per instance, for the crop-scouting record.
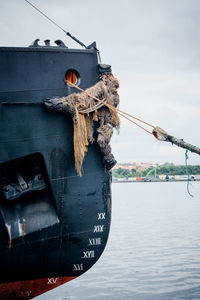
(154, 49)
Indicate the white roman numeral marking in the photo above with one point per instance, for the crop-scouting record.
(93, 242)
(101, 216)
(52, 280)
(98, 228)
(88, 254)
(78, 267)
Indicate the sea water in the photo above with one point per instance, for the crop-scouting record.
(153, 251)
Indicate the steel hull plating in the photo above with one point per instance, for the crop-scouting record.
(54, 224)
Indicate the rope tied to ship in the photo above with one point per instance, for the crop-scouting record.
(93, 107)
(157, 132)
(115, 109)
(96, 104)
(99, 103)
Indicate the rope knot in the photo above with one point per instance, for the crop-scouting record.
(160, 134)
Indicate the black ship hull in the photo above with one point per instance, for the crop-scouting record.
(54, 225)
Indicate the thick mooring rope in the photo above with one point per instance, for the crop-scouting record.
(158, 132)
(120, 112)
(162, 135)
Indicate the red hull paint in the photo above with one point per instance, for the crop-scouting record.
(30, 288)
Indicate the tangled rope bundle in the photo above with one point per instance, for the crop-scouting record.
(96, 104)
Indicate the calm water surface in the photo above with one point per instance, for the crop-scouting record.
(153, 250)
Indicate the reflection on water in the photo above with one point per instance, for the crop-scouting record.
(153, 250)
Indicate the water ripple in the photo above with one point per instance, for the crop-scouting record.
(153, 251)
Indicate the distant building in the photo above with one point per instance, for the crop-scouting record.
(136, 166)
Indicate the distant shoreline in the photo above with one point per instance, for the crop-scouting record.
(155, 180)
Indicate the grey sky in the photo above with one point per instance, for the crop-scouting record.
(153, 47)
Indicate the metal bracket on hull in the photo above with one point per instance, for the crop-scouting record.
(25, 196)
(15, 190)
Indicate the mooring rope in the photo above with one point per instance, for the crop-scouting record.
(67, 33)
(187, 173)
(157, 132)
(120, 112)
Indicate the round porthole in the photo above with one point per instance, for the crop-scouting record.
(72, 76)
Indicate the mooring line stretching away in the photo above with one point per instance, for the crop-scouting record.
(162, 135)
(157, 132)
(66, 32)
(120, 112)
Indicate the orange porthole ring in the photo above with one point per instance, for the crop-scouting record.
(72, 76)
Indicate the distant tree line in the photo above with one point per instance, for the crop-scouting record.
(167, 169)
